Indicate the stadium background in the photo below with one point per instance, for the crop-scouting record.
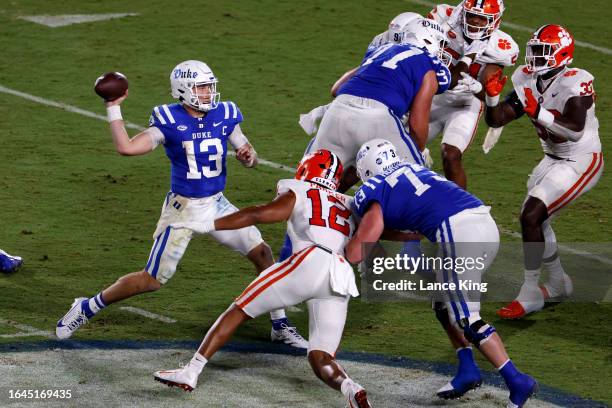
(81, 215)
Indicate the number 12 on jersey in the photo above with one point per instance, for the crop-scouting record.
(337, 211)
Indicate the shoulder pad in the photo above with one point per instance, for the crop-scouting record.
(297, 186)
(161, 116)
(577, 82)
(229, 111)
(441, 13)
(501, 50)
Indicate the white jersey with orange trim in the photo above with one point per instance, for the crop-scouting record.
(572, 82)
(320, 216)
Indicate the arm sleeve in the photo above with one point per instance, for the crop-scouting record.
(237, 138)
(515, 103)
(156, 135)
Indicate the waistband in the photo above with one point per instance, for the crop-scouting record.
(360, 102)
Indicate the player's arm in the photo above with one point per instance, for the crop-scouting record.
(499, 114)
(569, 125)
(245, 153)
(370, 229)
(275, 211)
(140, 144)
(345, 77)
(418, 121)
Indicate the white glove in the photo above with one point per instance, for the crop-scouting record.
(493, 135)
(428, 160)
(310, 121)
(199, 228)
(476, 47)
(467, 84)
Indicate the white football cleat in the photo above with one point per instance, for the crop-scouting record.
(72, 320)
(559, 289)
(184, 378)
(290, 336)
(529, 300)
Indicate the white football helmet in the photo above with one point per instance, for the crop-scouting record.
(376, 157)
(184, 80)
(397, 26)
(427, 34)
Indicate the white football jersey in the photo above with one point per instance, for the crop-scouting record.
(320, 216)
(573, 82)
(501, 48)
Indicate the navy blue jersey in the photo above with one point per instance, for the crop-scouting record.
(196, 147)
(414, 198)
(393, 74)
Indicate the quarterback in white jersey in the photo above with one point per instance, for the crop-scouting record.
(560, 102)
(477, 48)
(195, 132)
(320, 224)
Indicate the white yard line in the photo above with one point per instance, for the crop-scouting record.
(27, 330)
(264, 162)
(519, 27)
(147, 314)
(69, 19)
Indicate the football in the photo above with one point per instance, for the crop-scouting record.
(111, 86)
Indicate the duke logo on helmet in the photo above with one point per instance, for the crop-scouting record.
(194, 84)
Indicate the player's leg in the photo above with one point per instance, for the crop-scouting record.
(9, 263)
(553, 185)
(473, 234)
(459, 131)
(281, 285)
(168, 249)
(248, 241)
(326, 320)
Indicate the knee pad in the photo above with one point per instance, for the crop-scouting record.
(442, 314)
(478, 332)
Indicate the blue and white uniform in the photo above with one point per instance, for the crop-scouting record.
(417, 199)
(371, 103)
(197, 149)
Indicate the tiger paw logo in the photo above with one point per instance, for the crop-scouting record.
(504, 44)
(565, 37)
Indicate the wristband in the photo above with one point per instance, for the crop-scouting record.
(545, 117)
(492, 101)
(114, 113)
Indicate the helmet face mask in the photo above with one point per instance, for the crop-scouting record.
(376, 157)
(551, 47)
(321, 167)
(489, 12)
(194, 84)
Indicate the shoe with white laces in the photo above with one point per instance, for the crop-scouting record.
(9, 263)
(359, 400)
(288, 335)
(72, 320)
(184, 378)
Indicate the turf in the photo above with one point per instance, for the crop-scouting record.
(81, 215)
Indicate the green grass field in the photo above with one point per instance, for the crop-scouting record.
(82, 216)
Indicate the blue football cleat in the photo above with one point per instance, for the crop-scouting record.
(521, 388)
(9, 263)
(459, 385)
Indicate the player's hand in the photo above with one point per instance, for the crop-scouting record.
(246, 155)
(428, 159)
(118, 100)
(495, 83)
(532, 107)
(467, 84)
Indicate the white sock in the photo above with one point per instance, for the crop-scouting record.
(198, 362)
(532, 276)
(555, 269)
(348, 387)
(277, 314)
